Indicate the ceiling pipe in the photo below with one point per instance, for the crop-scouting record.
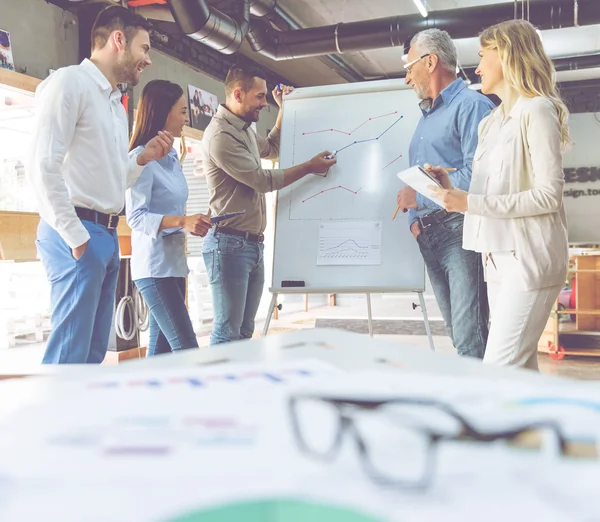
(394, 31)
(207, 25)
(271, 11)
(571, 63)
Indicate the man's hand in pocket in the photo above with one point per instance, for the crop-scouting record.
(78, 251)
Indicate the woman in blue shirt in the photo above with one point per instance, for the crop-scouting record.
(155, 208)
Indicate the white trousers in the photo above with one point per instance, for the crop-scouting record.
(518, 317)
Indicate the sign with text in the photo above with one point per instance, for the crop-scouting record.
(582, 179)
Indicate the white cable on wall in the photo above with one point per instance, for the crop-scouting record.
(141, 309)
(126, 306)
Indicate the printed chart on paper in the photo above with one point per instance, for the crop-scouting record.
(350, 243)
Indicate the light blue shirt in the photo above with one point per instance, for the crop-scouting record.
(160, 191)
(447, 136)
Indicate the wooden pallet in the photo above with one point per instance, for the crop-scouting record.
(33, 329)
(572, 342)
(124, 355)
(571, 352)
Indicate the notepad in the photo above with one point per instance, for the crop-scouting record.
(419, 179)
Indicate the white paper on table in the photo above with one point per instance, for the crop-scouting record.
(417, 178)
(350, 243)
(42, 474)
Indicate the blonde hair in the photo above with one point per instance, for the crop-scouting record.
(525, 64)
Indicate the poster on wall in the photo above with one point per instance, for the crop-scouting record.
(6, 57)
(202, 107)
(582, 179)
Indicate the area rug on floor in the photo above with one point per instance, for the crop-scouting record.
(383, 326)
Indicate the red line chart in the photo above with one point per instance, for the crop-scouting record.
(393, 161)
(352, 131)
(339, 187)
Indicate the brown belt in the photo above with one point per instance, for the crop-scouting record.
(255, 238)
(110, 221)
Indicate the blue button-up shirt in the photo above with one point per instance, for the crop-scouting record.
(447, 136)
(160, 191)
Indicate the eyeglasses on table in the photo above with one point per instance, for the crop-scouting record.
(396, 438)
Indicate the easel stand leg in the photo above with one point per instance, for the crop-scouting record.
(370, 316)
(269, 314)
(426, 319)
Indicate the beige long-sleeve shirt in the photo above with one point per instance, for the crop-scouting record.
(232, 154)
(515, 200)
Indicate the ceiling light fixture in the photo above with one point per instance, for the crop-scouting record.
(421, 7)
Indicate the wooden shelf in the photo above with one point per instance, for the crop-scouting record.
(18, 80)
(574, 311)
(579, 337)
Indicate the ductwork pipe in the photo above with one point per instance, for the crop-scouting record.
(211, 27)
(394, 31)
(572, 63)
(271, 11)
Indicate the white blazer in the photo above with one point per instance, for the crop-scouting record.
(515, 200)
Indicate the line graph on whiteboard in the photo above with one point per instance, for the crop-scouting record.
(369, 154)
(349, 243)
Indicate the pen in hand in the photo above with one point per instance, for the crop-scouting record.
(447, 169)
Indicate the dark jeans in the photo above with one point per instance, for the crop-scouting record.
(170, 325)
(457, 279)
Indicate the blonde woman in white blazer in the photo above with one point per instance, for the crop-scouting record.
(514, 213)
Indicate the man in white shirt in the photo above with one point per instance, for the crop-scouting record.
(79, 170)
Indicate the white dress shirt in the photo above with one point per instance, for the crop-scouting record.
(79, 154)
(515, 200)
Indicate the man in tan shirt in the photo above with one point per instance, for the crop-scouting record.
(232, 152)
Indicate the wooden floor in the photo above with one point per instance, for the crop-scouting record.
(584, 368)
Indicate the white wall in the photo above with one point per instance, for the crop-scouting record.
(42, 35)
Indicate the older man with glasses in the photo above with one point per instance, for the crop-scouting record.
(447, 136)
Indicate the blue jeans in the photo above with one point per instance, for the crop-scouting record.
(236, 273)
(458, 283)
(170, 324)
(82, 293)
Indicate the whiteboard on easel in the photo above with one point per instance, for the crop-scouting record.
(336, 232)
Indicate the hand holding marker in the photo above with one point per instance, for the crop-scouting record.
(451, 169)
(279, 88)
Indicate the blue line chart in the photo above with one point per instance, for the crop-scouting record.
(368, 140)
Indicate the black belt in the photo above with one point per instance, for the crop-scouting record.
(256, 238)
(433, 218)
(110, 221)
